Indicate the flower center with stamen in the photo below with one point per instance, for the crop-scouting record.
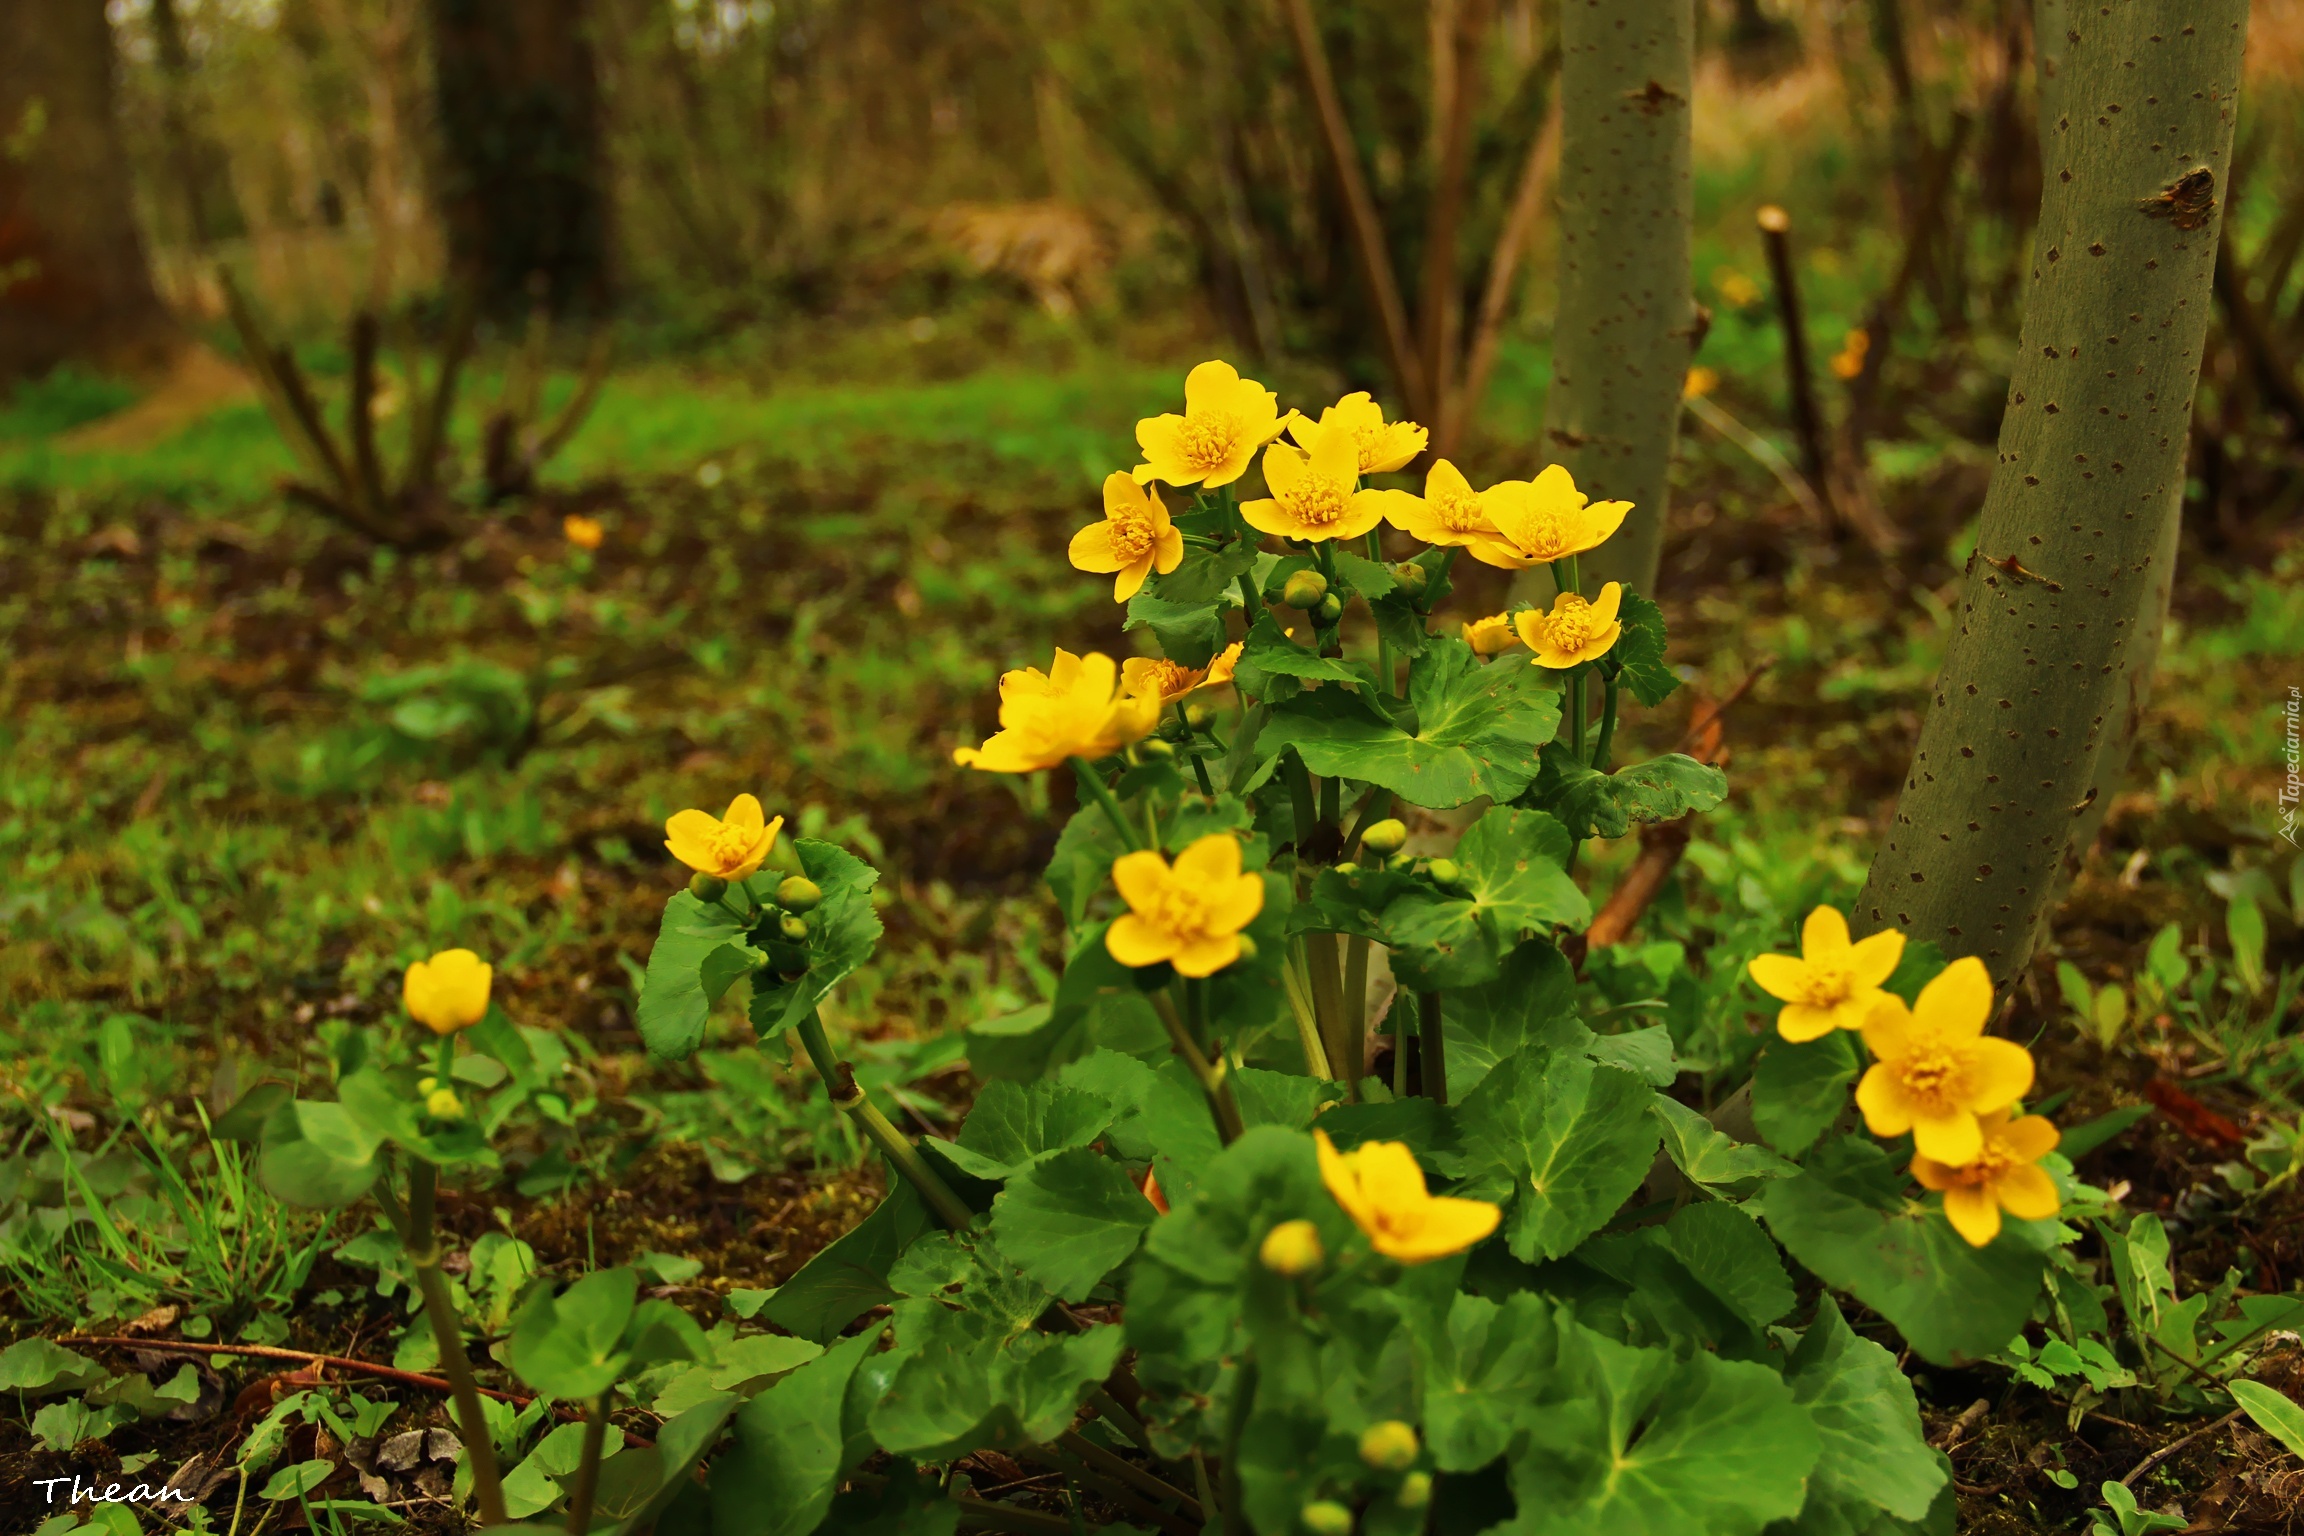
(1550, 533)
(1316, 501)
(1829, 983)
(1209, 438)
(1370, 443)
(1179, 910)
(1988, 1167)
(1572, 624)
(1460, 511)
(1170, 678)
(731, 844)
(1132, 534)
(1928, 1072)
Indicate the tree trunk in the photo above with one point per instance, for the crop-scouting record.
(1627, 316)
(73, 283)
(2037, 683)
(522, 179)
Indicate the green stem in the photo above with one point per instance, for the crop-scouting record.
(1607, 741)
(1346, 1052)
(1304, 1008)
(440, 1310)
(1249, 606)
(1212, 1077)
(1432, 1046)
(1302, 801)
(1355, 998)
(1199, 768)
(1092, 784)
(588, 1464)
(848, 1097)
(1244, 1401)
(1565, 576)
(1332, 802)
(1576, 713)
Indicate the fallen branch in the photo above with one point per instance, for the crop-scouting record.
(2173, 1446)
(273, 1352)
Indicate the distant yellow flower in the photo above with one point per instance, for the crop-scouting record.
(1172, 680)
(1189, 915)
(1077, 708)
(1575, 631)
(1491, 635)
(1451, 514)
(1545, 519)
(1739, 291)
(1849, 360)
(1226, 419)
(1380, 1187)
(581, 531)
(1833, 983)
(1384, 446)
(1936, 1070)
(1292, 1249)
(1135, 538)
(448, 992)
(1315, 492)
(1700, 382)
(2006, 1176)
(729, 847)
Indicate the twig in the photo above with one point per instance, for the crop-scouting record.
(1957, 1431)
(2173, 1446)
(272, 1352)
(1807, 418)
(2207, 1380)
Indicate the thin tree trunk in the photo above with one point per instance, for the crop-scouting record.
(73, 283)
(2037, 680)
(1627, 316)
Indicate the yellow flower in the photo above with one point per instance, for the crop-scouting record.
(1380, 1187)
(1849, 360)
(1700, 382)
(448, 992)
(2005, 1177)
(729, 847)
(1172, 680)
(1833, 984)
(1384, 446)
(1190, 915)
(1292, 1249)
(1937, 1070)
(1545, 519)
(581, 531)
(1451, 513)
(1492, 635)
(1077, 708)
(1226, 419)
(1135, 538)
(1575, 631)
(1315, 492)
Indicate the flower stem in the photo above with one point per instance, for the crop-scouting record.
(1432, 1046)
(1565, 576)
(1355, 997)
(588, 1464)
(424, 1258)
(1302, 801)
(848, 1097)
(1213, 1079)
(1607, 741)
(1228, 1476)
(1199, 768)
(1304, 1009)
(1576, 713)
(1092, 785)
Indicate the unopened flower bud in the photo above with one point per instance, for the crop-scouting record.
(1331, 609)
(1198, 715)
(1292, 1249)
(1385, 837)
(794, 927)
(427, 1084)
(1413, 578)
(798, 893)
(1445, 874)
(1326, 1517)
(1305, 589)
(1400, 863)
(1415, 1490)
(1247, 950)
(442, 1104)
(1154, 747)
(706, 887)
(1347, 868)
(1389, 1446)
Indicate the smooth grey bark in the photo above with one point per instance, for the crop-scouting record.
(1626, 325)
(2038, 680)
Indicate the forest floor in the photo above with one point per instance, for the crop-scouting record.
(248, 766)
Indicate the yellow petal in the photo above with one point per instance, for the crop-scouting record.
(1343, 1181)
(1161, 440)
(1443, 480)
(1954, 1138)
(1798, 1022)
(1208, 955)
(1999, 1073)
(1132, 941)
(1210, 387)
(2027, 1191)
(1234, 904)
(1555, 488)
(1888, 1027)
(1886, 1110)
(1396, 445)
(1389, 1175)
(1267, 517)
(1932, 1174)
(1131, 578)
(1958, 1002)
(745, 812)
(1361, 517)
(1209, 860)
(1353, 412)
(1449, 1226)
(1875, 959)
(1825, 933)
(1496, 552)
(688, 838)
(1605, 606)
(1123, 495)
(1601, 520)
(1091, 549)
(1140, 877)
(2030, 1139)
(1974, 1214)
(1780, 976)
(1227, 661)
(1167, 550)
(1334, 455)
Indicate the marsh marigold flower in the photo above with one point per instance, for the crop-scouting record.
(1316, 492)
(1135, 539)
(1172, 680)
(1226, 419)
(581, 531)
(448, 992)
(1384, 445)
(1077, 708)
(1292, 1249)
(727, 847)
(1937, 1071)
(1380, 1187)
(1832, 984)
(1189, 914)
(2006, 1176)
(1450, 514)
(1492, 635)
(1545, 519)
(1575, 631)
